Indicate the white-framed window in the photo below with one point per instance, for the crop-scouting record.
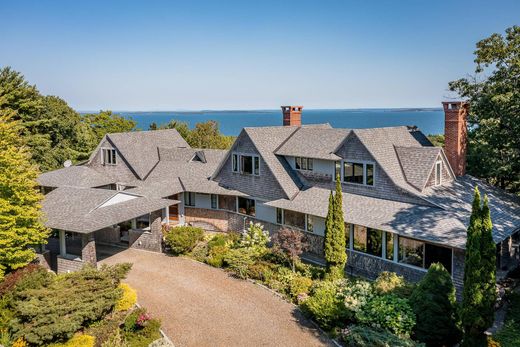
(108, 156)
(214, 201)
(189, 199)
(438, 173)
(305, 164)
(279, 215)
(357, 172)
(247, 164)
(309, 223)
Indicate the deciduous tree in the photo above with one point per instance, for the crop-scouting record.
(20, 216)
(291, 242)
(494, 117)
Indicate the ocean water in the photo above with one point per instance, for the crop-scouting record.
(430, 121)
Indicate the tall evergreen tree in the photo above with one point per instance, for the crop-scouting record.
(489, 266)
(435, 307)
(20, 215)
(478, 296)
(335, 239)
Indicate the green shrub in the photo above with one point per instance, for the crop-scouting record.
(31, 275)
(105, 329)
(356, 295)
(255, 237)
(391, 283)
(325, 304)
(114, 340)
(78, 340)
(68, 303)
(388, 312)
(183, 239)
(436, 309)
(216, 255)
(239, 260)
(509, 335)
(260, 270)
(299, 285)
(280, 280)
(200, 251)
(361, 336)
(140, 329)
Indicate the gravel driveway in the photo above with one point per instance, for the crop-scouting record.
(203, 306)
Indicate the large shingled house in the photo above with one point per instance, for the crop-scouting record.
(406, 203)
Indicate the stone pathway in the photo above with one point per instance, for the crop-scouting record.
(203, 306)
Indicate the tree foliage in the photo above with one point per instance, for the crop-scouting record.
(42, 315)
(335, 239)
(52, 130)
(494, 114)
(435, 307)
(291, 242)
(203, 135)
(20, 215)
(479, 292)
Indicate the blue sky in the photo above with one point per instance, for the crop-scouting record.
(166, 55)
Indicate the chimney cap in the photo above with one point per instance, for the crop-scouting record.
(291, 108)
(454, 105)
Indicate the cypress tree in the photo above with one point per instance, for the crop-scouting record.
(435, 307)
(335, 251)
(479, 294)
(489, 267)
(20, 215)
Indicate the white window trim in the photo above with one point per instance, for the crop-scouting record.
(438, 162)
(355, 161)
(239, 168)
(103, 151)
(301, 169)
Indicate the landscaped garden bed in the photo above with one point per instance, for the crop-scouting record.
(87, 308)
(354, 311)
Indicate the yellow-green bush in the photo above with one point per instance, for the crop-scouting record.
(128, 300)
(77, 341)
(20, 342)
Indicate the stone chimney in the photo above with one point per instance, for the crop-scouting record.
(455, 135)
(292, 115)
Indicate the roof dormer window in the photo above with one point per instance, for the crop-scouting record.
(108, 156)
(438, 173)
(358, 172)
(246, 164)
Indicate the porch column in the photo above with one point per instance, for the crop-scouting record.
(134, 223)
(63, 244)
(166, 213)
(88, 248)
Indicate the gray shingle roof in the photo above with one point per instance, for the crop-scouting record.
(140, 148)
(78, 209)
(267, 140)
(78, 176)
(313, 142)
(457, 197)
(417, 163)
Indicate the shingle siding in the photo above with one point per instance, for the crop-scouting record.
(119, 172)
(264, 186)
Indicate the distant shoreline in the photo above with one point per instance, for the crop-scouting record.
(419, 109)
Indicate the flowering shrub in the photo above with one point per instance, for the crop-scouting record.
(142, 319)
(255, 236)
(388, 312)
(357, 294)
(390, 283)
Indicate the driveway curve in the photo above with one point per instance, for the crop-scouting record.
(203, 306)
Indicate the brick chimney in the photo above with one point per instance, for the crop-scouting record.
(455, 135)
(292, 115)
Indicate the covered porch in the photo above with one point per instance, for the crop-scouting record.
(88, 222)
